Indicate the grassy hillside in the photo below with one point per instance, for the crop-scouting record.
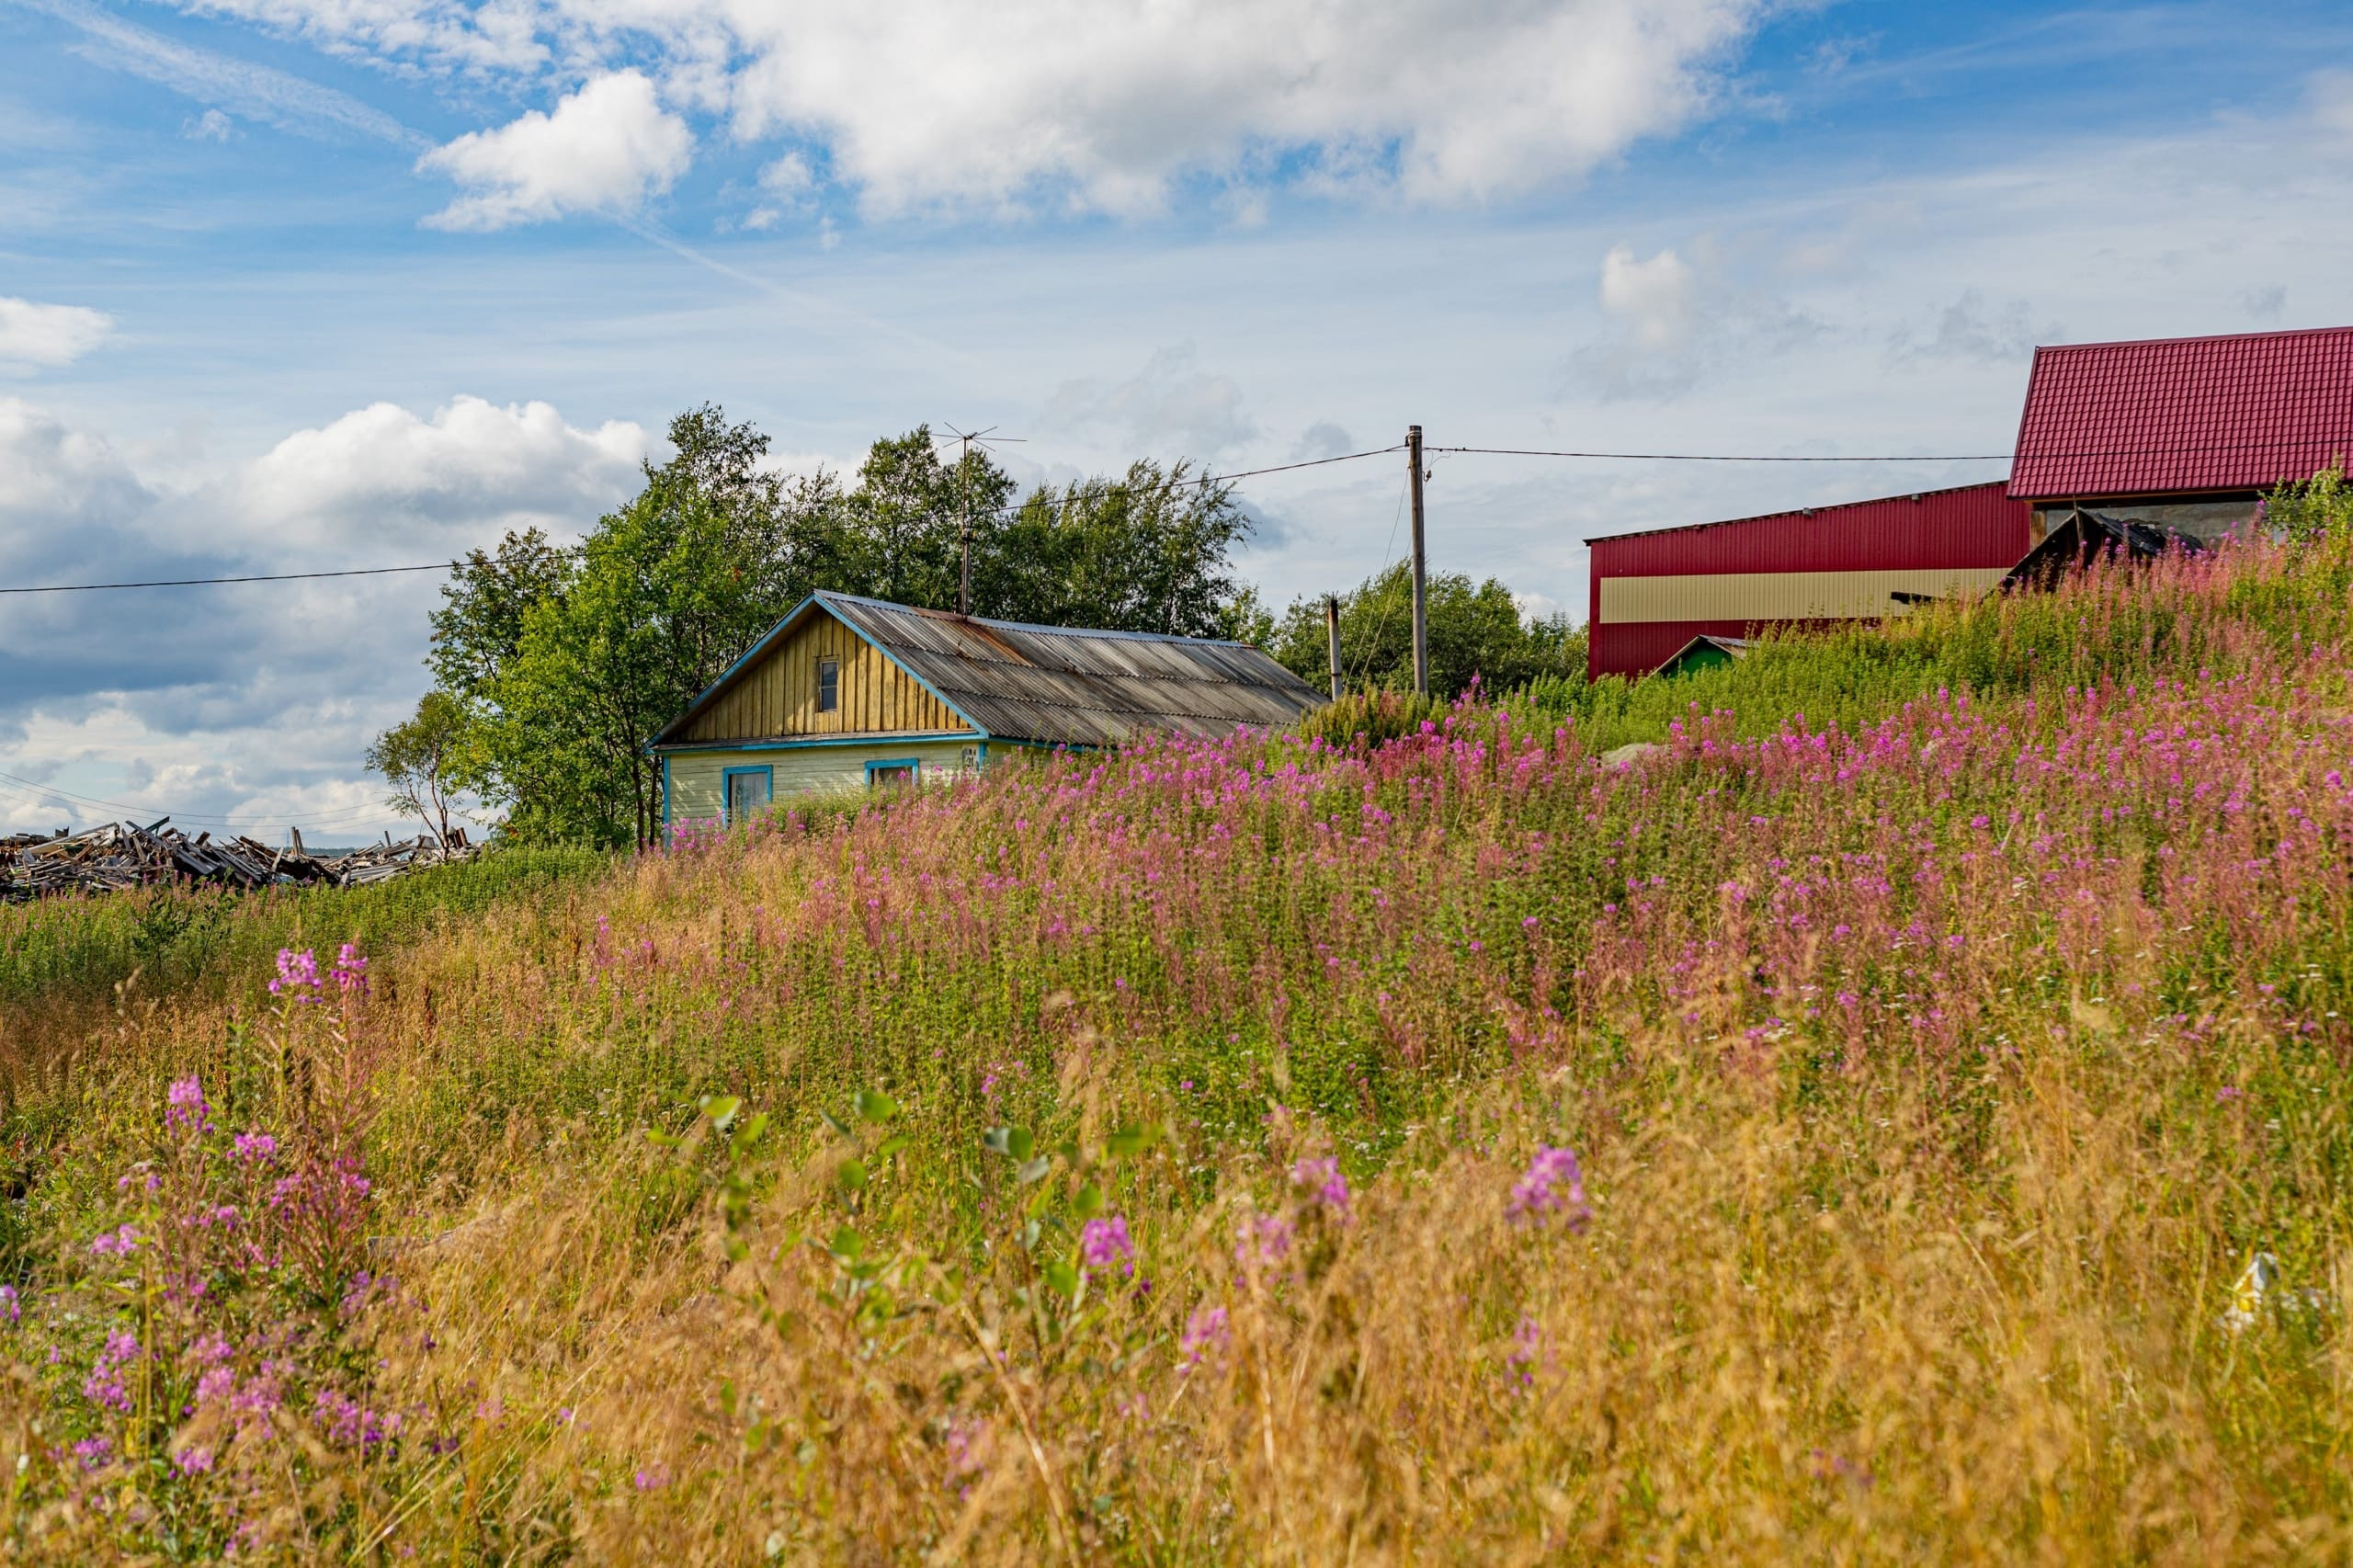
(1831, 1137)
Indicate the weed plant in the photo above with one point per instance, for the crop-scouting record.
(1908, 1126)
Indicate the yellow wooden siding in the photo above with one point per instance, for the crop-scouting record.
(1781, 595)
(697, 779)
(777, 696)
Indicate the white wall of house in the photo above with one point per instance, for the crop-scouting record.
(697, 781)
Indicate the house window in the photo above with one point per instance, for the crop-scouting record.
(748, 792)
(829, 685)
(897, 771)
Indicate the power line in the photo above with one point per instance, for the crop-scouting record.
(206, 581)
(39, 794)
(1725, 458)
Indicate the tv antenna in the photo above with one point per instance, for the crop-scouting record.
(967, 439)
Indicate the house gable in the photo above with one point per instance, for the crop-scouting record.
(773, 694)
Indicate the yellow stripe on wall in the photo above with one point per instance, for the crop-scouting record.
(1782, 596)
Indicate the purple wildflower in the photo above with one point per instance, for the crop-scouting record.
(352, 1424)
(94, 1452)
(104, 1387)
(9, 1308)
(1555, 1185)
(119, 1241)
(350, 970)
(653, 1477)
(185, 1107)
(1324, 1182)
(193, 1460)
(1105, 1242)
(1527, 1349)
(298, 975)
(1265, 1240)
(1207, 1332)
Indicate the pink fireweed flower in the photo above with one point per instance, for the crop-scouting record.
(192, 1462)
(9, 1309)
(350, 970)
(1527, 1349)
(1265, 1240)
(351, 1424)
(254, 1148)
(95, 1453)
(1104, 1243)
(186, 1108)
(1324, 1182)
(653, 1478)
(1554, 1184)
(298, 975)
(104, 1387)
(1208, 1333)
(121, 1242)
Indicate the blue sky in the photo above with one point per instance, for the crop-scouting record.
(289, 286)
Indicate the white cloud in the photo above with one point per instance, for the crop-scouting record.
(139, 696)
(37, 335)
(1107, 107)
(1655, 296)
(472, 461)
(606, 148)
(1970, 329)
(210, 126)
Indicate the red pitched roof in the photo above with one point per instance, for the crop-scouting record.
(2184, 413)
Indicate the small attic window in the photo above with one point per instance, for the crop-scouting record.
(829, 685)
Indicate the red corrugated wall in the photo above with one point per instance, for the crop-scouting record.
(1976, 528)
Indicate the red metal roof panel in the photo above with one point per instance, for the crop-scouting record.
(1977, 525)
(2182, 415)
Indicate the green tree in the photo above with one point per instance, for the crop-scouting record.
(425, 760)
(1475, 630)
(1151, 552)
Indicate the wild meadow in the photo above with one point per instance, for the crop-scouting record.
(1904, 1116)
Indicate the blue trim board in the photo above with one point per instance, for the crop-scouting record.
(894, 738)
(665, 790)
(727, 786)
(914, 765)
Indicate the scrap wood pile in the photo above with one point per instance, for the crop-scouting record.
(120, 856)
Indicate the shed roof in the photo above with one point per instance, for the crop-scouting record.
(2181, 414)
(1057, 684)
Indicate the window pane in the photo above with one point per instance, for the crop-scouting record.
(747, 796)
(829, 685)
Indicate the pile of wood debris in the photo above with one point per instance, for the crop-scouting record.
(120, 856)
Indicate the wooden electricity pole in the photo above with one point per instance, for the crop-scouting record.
(1421, 604)
(1332, 636)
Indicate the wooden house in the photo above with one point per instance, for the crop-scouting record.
(847, 693)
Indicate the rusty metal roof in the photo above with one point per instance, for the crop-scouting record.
(1062, 685)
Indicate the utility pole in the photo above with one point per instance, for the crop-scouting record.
(1332, 636)
(964, 492)
(1421, 602)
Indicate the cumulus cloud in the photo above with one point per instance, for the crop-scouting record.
(606, 148)
(1170, 405)
(34, 334)
(1655, 297)
(210, 126)
(257, 699)
(1106, 108)
(382, 471)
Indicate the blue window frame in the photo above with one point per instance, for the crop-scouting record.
(897, 770)
(747, 792)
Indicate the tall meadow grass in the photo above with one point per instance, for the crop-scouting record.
(1902, 1117)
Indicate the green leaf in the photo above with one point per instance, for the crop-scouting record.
(721, 1108)
(1063, 1278)
(749, 1134)
(727, 1396)
(1035, 1170)
(836, 1123)
(1089, 1202)
(998, 1139)
(847, 1245)
(851, 1174)
(1127, 1141)
(738, 1249)
(890, 1145)
(663, 1140)
(1018, 1143)
(758, 1436)
(875, 1105)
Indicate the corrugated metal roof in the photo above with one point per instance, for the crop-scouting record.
(2183, 414)
(1064, 686)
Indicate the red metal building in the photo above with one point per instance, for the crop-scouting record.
(1653, 592)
